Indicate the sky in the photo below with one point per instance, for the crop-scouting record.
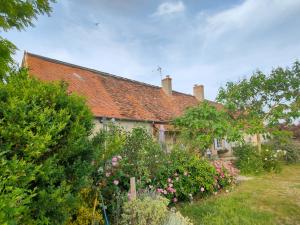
(207, 42)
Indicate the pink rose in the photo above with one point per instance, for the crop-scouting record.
(116, 182)
(114, 159)
(165, 192)
(159, 190)
(169, 180)
(107, 174)
(175, 200)
(202, 189)
(170, 185)
(114, 163)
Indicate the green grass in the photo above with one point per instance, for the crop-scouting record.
(268, 199)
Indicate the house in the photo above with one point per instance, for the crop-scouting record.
(127, 102)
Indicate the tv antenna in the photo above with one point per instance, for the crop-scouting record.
(159, 70)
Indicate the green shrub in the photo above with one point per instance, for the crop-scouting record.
(292, 149)
(249, 160)
(271, 159)
(175, 218)
(145, 211)
(44, 151)
(127, 154)
(184, 175)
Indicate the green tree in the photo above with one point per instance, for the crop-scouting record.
(45, 156)
(262, 102)
(200, 125)
(17, 14)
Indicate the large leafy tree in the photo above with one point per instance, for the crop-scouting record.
(200, 125)
(263, 102)
(44, 151)
(17, 14)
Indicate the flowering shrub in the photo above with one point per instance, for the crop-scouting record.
(226, 173)
(248, 159)
(271, 159)
(177, 176)
(185, 175)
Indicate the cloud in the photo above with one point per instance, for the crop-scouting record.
(202, 45)
(169, 8)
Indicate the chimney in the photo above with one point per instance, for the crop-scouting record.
(166, 84)
(199, 92)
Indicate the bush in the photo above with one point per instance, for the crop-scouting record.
(184, 175)
(271, 160)
(175, 218)
(145, 211)
(44, 151)
(249, 160)
(127, 154)
(178, 175)
(88, 213)
(292, 149)
(226, 173)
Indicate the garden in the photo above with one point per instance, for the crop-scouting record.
(54, 169)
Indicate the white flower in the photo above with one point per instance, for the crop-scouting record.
(266, 159)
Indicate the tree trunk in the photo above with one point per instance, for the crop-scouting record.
(258, 142)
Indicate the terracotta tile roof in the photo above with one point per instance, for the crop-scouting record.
(112, 96)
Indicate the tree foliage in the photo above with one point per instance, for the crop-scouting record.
(262, 102)
(44, 151)
(17, 14)
(200, 125)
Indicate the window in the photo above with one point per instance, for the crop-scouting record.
(218, 144)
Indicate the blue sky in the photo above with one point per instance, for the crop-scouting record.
(205, 42)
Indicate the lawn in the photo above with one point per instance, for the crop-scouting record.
(268, 199)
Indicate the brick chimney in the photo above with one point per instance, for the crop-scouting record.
(199, 92)
(166, 84)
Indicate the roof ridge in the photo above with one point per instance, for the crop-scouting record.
(98, 71)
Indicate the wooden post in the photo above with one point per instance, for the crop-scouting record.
(132, 191)
(258, 142)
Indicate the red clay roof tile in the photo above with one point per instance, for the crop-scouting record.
(112, 96)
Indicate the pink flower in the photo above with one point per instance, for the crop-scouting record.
(114, 163)
(171, 190)
(159, 190)
(107, 174)
(202, 189)
(170, 185)
(165, 192)
(116, 182)
(175, 200)
(169, 180)
(114, 159)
